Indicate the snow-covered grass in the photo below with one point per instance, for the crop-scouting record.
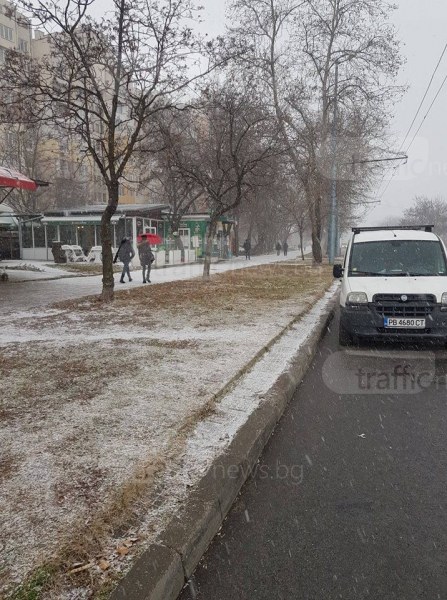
(100, 403)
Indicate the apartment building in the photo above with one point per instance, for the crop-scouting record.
(15, 30)
(45, 153)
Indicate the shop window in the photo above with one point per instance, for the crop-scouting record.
(27, 236)
(51, 234)
(140, 226)
(39, 235)
(120, 230)
(67, 234)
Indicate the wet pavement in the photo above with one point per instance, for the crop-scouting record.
(349, 499)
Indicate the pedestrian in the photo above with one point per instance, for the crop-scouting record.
(146, 257)
(278, 248)
(125, 254)
(247, 249)
(285, 247)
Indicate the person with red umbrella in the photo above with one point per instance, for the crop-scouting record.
(146, 257)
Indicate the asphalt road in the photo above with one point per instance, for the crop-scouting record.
(349, 499)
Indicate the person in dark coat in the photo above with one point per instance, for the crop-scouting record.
(146, 257)
(125, 254)
(278, 248)
(285, 247)
(247, 249)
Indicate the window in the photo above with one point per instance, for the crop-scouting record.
(27, 235)
(6, 32)
(99, 148)
(39, 235)
(397, 258)
(67, 234)
(51, 234)
(11, 139)
(2, 54)
(63, 168)
(23, 45)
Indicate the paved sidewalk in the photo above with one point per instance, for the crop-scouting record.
(38, 294)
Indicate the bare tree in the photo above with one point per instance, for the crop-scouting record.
(229, 139)
(102, 80)
(428, 211)
(297, 48)
(295, 206)
(261, 216)
(166, 183)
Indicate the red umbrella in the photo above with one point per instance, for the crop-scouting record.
(14, 179)
(152, 238)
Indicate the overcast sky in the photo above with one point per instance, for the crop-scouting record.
(421, 27)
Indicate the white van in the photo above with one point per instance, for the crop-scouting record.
(393, 285)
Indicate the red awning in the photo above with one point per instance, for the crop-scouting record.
(14, 179)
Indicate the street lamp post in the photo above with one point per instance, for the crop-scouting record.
(333, 222)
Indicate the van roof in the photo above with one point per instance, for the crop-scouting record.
(397, 234)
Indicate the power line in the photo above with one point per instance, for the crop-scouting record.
(427, 113)
(414, 136)
(414, 120)
(425, 95)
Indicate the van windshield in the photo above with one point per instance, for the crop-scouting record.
(397, 258)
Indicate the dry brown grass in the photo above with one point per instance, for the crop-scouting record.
(266, 283)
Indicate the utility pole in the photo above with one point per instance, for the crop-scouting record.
(333, 222)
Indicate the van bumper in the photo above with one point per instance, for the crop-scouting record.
(366, 322)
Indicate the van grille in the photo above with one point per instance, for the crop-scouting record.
(392, 305)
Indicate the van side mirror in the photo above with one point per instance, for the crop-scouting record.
(337, 271)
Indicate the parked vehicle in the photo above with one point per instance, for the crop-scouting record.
(393, 285)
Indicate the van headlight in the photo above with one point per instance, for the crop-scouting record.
(359, 298)
(444, 301)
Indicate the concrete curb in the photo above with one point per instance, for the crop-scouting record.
(162, 570)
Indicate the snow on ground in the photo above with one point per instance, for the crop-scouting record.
(88, 401)
(212, 435)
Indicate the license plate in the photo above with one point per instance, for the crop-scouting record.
(403, 323)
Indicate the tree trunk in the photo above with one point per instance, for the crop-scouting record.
(316, 248)
(316, 231)
(209, 245)
(302, 243)
(106, 241)
(236, 232)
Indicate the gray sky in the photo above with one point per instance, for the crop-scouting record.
(421, 27)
